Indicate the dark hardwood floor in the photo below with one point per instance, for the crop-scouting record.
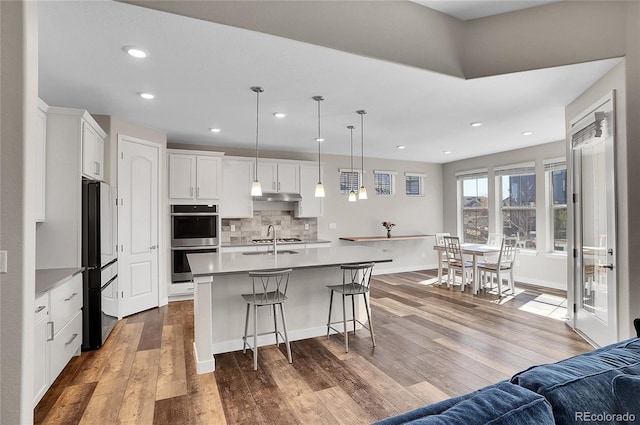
(433, 343)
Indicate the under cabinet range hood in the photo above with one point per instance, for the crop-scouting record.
(278, 197)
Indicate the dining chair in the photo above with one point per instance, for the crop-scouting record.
(356, 280)
(456, 261)
(495, 239)
(269, 290)
(504, 263)
(444, 264)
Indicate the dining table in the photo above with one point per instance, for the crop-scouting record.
(475, 250)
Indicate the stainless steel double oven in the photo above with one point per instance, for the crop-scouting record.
(194, 228)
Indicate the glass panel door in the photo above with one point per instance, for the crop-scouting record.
(594, 220)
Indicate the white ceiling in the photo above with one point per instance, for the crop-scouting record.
(201, 73)
(472, 9)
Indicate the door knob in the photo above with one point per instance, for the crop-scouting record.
(154, 246)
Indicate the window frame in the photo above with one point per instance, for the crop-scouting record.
(347, 171)
(421, 184)
(392, 182)
(551, 165)
(516, 170)
(472, 175)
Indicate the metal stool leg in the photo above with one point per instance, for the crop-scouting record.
(353, 313)
(286, 336)
(246, 328)
(367, 306)
(275, 324)
(255, 337)
(329, 320)
(344, 322)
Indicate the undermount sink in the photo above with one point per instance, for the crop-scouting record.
(269, 252)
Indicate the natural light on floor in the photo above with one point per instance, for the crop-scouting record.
(551, 306)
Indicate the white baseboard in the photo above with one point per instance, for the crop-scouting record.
(203, 366)
(543, 283)
(381, 271)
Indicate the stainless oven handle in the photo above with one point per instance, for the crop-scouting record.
(201, 214)
(192, 248)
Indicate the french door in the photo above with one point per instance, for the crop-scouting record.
(594, 218)
(138, 268)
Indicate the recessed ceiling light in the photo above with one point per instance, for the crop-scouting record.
(319, 139)
(446, 152)
(401, 146)
(279, 114)
(136, 52)
(147, 96)
(527, 133)
(214, 130)
(476, 124)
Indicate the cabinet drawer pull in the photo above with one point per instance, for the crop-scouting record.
(74, 336)
(72, 295)
(40, 308)
(191, 191)
(278, 186)
(51, 332)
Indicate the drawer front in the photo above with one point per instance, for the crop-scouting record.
(66, 342)
(66, 301)
(41, 307)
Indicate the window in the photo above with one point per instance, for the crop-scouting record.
(556, 172)
(475, 205)
(414, 184)
(349, 180)
(385, 182)
(518, 203)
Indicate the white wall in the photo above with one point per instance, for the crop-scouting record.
(19, 88)
(536, 267)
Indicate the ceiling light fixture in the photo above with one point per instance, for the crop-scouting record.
(446, 152)
(476, 124)
(319, 139)
(279, 114)
(527, 133)
(147, 96)
(352, 193)
(214, 130)
(362, 193)
(401, 146)
(136, 52)
(256, 188)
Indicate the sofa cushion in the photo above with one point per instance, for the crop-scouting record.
(582, 384)
(626, 389)
(499, 404)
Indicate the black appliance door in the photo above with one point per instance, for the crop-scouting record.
(180, 270)
(191, 230)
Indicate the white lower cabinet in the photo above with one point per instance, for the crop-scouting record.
(41, 348)
(57, 333)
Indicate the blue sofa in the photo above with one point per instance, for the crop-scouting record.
(599, 387)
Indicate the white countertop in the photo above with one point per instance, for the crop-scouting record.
(211, 264)
(289, 244)
(47, 279)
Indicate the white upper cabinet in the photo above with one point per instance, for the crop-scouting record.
(279, 177)
(194, 176)
(92, 151)
(309, 206)
(236, 199)
(40, 161)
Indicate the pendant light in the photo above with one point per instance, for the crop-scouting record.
(256, 188)
(319, 139)
(352, 193)
(362, 193)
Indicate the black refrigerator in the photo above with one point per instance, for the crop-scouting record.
(99, 259)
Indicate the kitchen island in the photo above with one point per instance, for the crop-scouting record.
(221, 278)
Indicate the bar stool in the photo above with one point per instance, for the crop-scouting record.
(356, 280)
(269, 289)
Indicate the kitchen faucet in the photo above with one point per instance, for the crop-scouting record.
(271, 226)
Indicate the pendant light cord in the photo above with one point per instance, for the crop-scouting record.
(362, 140)
(319, 139)
(351, 129)
(257, 123)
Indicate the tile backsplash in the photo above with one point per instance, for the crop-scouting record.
(287, 226)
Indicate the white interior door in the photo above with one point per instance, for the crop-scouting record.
(594, 223)
(138, 224)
